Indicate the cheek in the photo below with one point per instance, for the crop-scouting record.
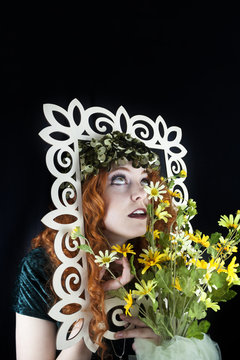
(115, 210)
(112, 209)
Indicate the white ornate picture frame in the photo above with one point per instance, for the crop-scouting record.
(62, 159)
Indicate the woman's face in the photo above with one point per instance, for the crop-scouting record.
(125, 204)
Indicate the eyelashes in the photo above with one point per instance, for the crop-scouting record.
(118, 179)
(121, 179)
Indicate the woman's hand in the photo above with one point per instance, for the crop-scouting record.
(140, 330)
(123, 279)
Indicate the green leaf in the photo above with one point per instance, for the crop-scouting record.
(180, 219)
(193, 331)
(86, 248)
(163, 239)
(197, 330)
(218, 279)
(149, 237)
(211, 251)
(180, 300)
(204, 326)
(223, 294)
(197, 274)
(214, 238)
(164, 279)
(197, 310)
(120, 293)
(188, 285)
(171, 183)
(133, 269)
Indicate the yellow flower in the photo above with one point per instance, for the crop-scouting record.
(162, 214)
(229, 222)
(200, 240)
(105, 259)
(76, 232)
(156, 234)
(200, 264)
(145, 289)
(183, 173)
(155, 191)
(204, 241)
(129, 302)
(208, 302)
(211, 305)
(226, 245)
(217, 264)
(177, 284)
(231, 270)
(174, 194)
(151, 258)
(124, 249)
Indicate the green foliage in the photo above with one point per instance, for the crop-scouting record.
(214, 238)
(86, 248)
(184, 273)
(164, 281)
(133, 269)
(197, 310)
(120, 293)
(218, 279)
(198, 329)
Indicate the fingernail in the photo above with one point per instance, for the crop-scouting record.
(119, 335)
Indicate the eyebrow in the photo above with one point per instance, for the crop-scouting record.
(126, 169)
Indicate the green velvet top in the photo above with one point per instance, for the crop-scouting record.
(32, 294)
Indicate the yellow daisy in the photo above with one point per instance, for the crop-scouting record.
(229, 222)
(145, 289)
(129, 302)
(124, 249)
(104, 259)
(151, 258)
(177, 285)
(155, 191)
(231, 270)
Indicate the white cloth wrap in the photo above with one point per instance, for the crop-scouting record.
(178, 348)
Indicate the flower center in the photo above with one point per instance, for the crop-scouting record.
(154, 192)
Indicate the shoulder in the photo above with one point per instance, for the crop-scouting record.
(32, 295)
(36, 262)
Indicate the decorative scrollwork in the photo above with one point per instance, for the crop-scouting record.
(63, 163)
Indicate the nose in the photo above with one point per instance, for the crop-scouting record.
(138, 193)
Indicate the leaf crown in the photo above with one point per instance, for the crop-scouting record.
(114, 148)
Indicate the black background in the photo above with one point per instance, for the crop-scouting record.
(177, 60)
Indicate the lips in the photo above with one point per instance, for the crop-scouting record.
(138, 214)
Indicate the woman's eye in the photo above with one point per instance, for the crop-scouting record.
(144, 182)
(118, 180)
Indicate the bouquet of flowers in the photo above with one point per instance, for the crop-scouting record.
(183, 273)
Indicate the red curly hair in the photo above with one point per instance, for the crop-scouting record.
(93, 211)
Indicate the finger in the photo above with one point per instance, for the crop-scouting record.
(102, 272)
(142, 333)
(126, 276)
(133, 320)
(123, 279)
(112, 285)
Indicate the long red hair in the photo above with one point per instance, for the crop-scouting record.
(93, 211)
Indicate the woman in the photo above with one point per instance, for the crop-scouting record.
(115, 170)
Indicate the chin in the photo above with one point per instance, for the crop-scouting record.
(136, 235)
